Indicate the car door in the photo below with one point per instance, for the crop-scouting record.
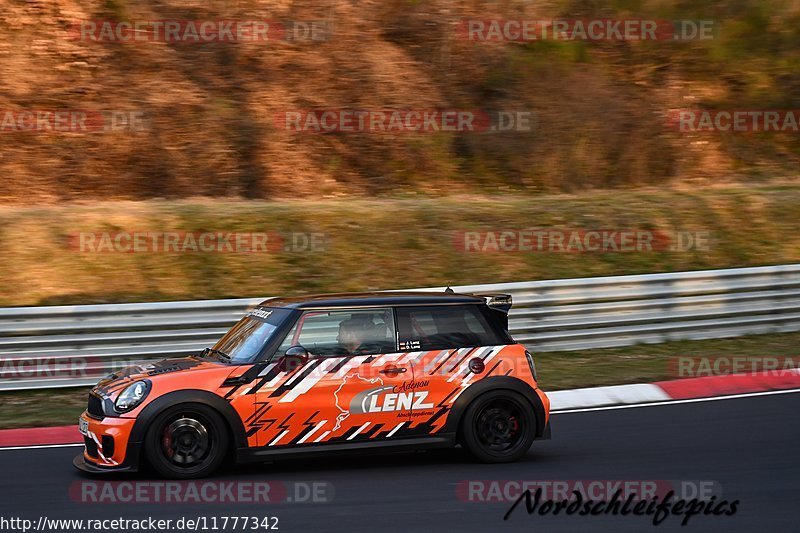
(446, 339)
(342, 393)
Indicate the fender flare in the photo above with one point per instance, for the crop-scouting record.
(209, 399)
(494, 384)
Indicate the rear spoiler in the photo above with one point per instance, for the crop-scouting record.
(501, 302)
(499, 306)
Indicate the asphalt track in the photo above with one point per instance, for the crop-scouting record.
(748, 445)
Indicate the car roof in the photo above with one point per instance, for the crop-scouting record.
(372, 299)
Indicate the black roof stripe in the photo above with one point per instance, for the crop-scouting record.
(372, 299)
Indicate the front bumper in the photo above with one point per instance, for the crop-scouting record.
(107, 445)
(81, 464)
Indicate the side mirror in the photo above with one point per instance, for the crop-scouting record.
(295, 357)
(296, 351)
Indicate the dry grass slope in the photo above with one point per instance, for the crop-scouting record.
(210, 109)
(378, 244)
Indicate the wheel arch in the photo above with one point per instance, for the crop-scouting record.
(494, 384)
(190, 396)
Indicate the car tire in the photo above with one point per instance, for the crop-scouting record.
(186, 441)
(498, 427)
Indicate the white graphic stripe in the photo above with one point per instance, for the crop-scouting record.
(359, 430)
(322, 436)
(100, 449)
(310, 433)
(469, 374)
(274, 381)
(461, 353)
(465, 364)
(298, 376)
(414, 357)
(309, 381)
(392, 432)
(267, 370)
(397, 357)
(352, 363)
(485, 362)
(436, 360)
(279, 437)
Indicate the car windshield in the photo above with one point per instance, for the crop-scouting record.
(246, 339)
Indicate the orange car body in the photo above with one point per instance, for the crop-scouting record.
(276, 404)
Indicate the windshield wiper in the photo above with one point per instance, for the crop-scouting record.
(222, 355)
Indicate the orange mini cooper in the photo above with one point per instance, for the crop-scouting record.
(303, 376)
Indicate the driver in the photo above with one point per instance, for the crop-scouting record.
(352, 334)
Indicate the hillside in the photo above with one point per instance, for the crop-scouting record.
(208, 111)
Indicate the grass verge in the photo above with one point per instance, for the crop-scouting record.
(378, 244)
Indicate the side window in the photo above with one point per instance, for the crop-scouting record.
(444, 326)
(342, 333)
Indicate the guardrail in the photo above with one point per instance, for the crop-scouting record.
(61, 346)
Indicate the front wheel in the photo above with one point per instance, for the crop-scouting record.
(186, 441)
(498, 427)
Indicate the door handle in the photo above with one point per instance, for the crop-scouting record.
(393, 370)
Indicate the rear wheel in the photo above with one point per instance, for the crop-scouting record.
(498, 427)
(186, 441)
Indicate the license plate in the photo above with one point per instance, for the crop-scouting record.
(83, 427)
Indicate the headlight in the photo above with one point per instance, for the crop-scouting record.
(132, 396)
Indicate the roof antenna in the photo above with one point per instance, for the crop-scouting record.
(448, 290)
